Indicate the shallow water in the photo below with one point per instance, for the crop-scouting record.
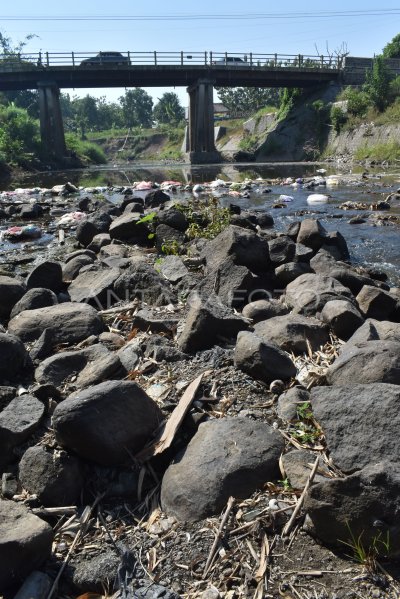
(374, 243)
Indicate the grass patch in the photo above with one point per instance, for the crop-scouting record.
(389, 152)
(85, 150)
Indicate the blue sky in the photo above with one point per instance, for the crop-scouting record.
(231, 26)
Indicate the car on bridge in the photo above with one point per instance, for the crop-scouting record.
(106, 58)
(231, 61)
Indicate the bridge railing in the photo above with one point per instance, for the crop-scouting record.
(210, 59)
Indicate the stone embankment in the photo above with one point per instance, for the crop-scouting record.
(140, 392)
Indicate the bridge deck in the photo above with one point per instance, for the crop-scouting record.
(155, 69)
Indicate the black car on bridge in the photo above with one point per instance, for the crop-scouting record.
(106, 58)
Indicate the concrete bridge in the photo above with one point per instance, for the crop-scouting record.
(198, 71)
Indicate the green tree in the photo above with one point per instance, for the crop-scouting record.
(19, 135)
(137, 108)
(168, 109)
(377, 84)
(22, 99)
(392, 49)
(245, 100)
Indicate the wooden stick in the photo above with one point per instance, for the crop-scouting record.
(289, 524)
(55, 511)
(229, 506)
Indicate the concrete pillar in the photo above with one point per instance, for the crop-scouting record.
(201, 146)
(51, 124)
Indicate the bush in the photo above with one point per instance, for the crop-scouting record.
(85, 150)
(338, 118)
(19, 135)
(357, 101)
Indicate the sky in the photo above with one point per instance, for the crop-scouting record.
(362, 27)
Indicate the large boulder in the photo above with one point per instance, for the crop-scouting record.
(281, 250)
(11, 290)
(264, 309)
(48, 275)
(54, 476)
(95, 287)
(311, 233)
(128, 227)
(207, 323)
(342, 317)
(375, 330)
(88, 366)
(376, 303)
(37, 297)
(232, 283)
(107, 422)
(70, 323)
(309, 293)
(360, 509)
(370, 362)
(261, 360)
(72, 267)
(13, 356)
(293, 332)
(19, 420)
(360, 423)
(226, 457)
(245, 248)
(142, 281)
(25, 543)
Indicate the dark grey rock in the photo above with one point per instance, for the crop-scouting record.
(226, 457)
(298, 464)
(25, 543)
(245, 248)
(148, 319)
(286, 273)
(343, 318)
(129, 356)
(169, 239)
(54, 476)
(293, 332)
(106, 421)
(128, 228)
(162, 349)
(100, 240)
(303, 253)
(70, 322)
(289, 401)
(281, 250)
(376, 303)
(311, 233)
(230, 282)
(261, 360)
(31, 211)
(85, 231)
(96, 572)
(78, 253)
(95, 287)
(46, 275)
(349, 277)
(13, 357)
(360, 423)
(34, 298)
(173, 218)
(264, 309)
(207, 323)
(11, 291)
(142, 281)
(155, 198)
(374, 330)
(20, 419)
(369, 362)
(155, 591)
(172, 268)
(88, 366)
(43, 346)
(72, 267)
(264, 220)
(363, 506)
(309, 293)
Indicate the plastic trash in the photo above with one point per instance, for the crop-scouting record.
(22, 233)
(284, 198)
(318, 198)
(71, 218)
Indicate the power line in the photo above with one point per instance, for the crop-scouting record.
(213, 17)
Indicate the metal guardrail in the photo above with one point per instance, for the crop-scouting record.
(214, 60)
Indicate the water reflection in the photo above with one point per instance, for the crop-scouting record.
(128, 174)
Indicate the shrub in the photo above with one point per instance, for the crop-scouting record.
(357, 101)
(338, 118)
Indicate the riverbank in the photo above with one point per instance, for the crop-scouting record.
(239, 316)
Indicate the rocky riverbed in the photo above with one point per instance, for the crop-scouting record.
(199, 396)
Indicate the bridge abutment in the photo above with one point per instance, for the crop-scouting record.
(200, 146)
(51, 123)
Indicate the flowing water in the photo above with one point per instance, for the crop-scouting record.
(375, 242)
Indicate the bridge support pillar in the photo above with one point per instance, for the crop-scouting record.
(200, 140)
(51, 124)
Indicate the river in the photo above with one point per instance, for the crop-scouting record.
(375, 242)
